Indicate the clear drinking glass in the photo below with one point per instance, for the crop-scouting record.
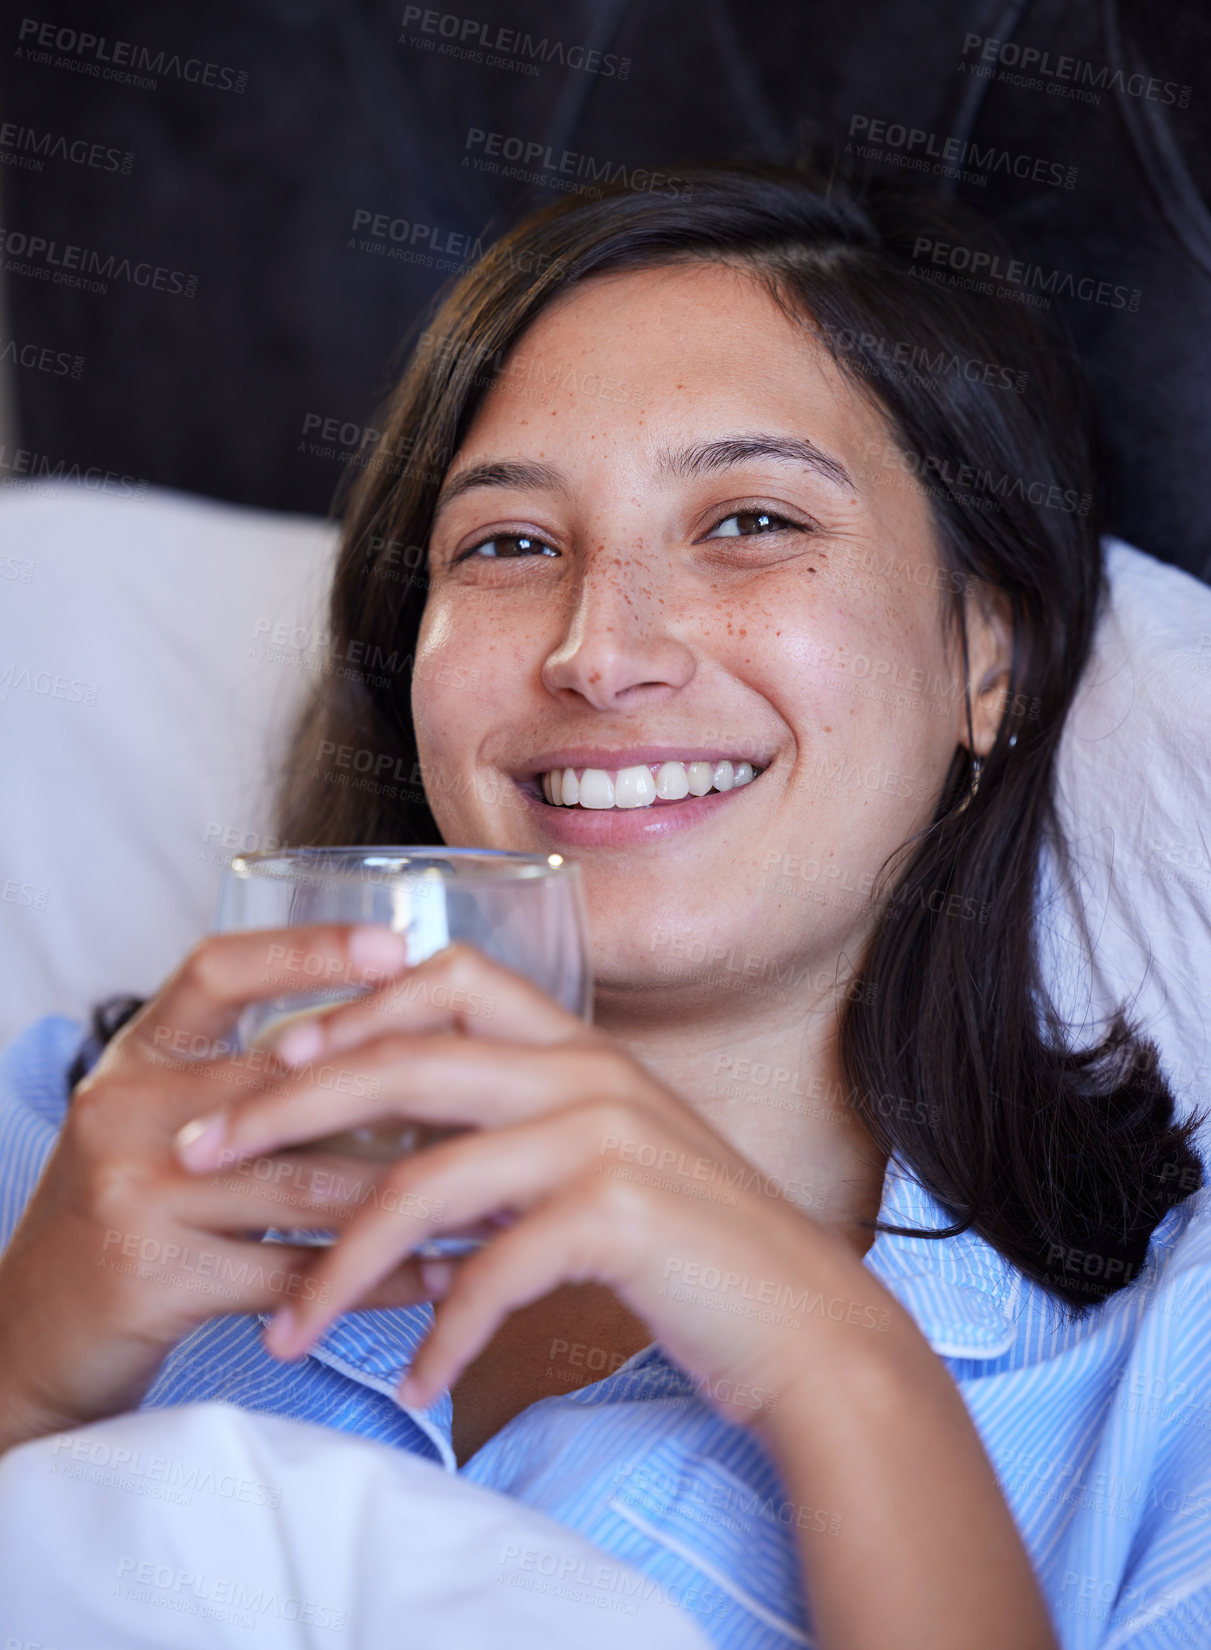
(524, 910)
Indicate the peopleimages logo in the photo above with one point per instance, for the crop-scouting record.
(952, 154)
(1075, 71)
(501, 47)
(939, 473)
(39, 40)
(1025, 280)
(41, 358)
(26, 146)
(539, 163)
(49, 261)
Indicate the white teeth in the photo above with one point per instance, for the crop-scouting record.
(639, 786)
(596, 789)
(672, 783)
(634, 788)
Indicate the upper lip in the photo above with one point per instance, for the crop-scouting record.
(586, 756)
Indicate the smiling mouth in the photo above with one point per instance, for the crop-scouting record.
(641, 786)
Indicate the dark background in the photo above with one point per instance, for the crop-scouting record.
(252, 195)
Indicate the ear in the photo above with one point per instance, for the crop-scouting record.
(989, 652)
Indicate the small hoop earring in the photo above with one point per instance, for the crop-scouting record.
(977, 769)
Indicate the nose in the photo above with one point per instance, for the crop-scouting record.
(616, 647)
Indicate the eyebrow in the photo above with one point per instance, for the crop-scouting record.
(539, 478)
(705, 458)
(709, 456)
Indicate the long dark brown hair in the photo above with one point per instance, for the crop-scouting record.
(1064, 1159)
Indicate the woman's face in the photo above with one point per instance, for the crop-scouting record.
(674, 534)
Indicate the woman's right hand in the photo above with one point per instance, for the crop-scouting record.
(120, 1251)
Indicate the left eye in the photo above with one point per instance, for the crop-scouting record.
(745, 523)
(521, 545)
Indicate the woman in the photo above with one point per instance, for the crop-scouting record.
(729, 556)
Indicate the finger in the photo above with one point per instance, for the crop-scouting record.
(448, 1186)
(557, 1243)
(225, 972)
(278, 1276)
(183, 1276)
(412, 1281)
(166, 1092)
(279, 1191)
(457, 989)
(442, 1081)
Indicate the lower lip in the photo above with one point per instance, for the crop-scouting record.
(613, 827)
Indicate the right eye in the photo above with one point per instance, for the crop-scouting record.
(526, 545)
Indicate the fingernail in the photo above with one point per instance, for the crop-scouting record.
(300, 1043)
(437, 1276)
(282, 1327)
(374, 945)
(199, 1142)
(413, 1392)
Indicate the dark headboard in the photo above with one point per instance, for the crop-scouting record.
(270, 194)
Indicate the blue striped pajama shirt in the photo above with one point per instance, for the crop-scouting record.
(1099, 1430)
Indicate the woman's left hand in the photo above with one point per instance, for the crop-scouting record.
(608, 1175)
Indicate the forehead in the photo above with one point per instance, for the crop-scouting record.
(681, 346)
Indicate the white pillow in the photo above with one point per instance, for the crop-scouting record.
(154, 650)
(140, 706)
(323, 1537)
(1134, 790)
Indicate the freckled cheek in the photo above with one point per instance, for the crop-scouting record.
(800, 669)
(842, 681)
(446, 689)
(466, 677)
(439, 716)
